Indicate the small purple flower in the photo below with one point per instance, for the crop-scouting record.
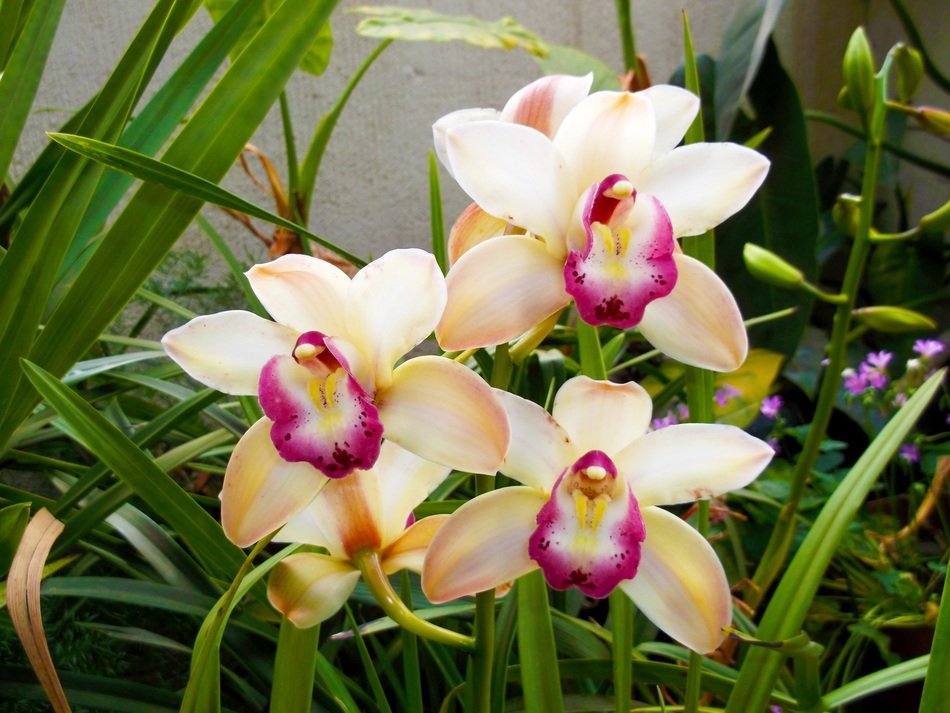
(682, 410)
(855, 382)
(668, 420)
(771, 405)
(774, 445)
(724, 395)
(874, 376)
(879, 360)
(909, 453)
(928, 348)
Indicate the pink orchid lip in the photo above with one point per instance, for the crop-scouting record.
(590, 530)
(321, 415)
(627, 260)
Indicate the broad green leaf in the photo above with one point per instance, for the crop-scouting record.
(907, 272)
(786, 611)
(155, 217)
(561, 59)
(13, 520)
(196, 528)
(890, 677)
(317, 56)
(21, 76)
(782, 216)
(10, 24)
(743, 45)
(294, 667)
(419, 24)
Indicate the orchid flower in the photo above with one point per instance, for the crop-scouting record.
(364, 522)
(587, 512)
(596, 183)
(326, 376)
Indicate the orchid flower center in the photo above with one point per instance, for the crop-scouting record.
(321, 414)
(621, 256)
(589, 532)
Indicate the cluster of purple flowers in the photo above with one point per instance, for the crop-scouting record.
(872, 372)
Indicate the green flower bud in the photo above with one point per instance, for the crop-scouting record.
(937, 220)
(769, 267)
(858, 70)
(933, 119)
(846, 213)
(893, 319)
(910, 70)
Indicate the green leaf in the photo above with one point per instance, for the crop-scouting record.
(294, 668)
(21, 76)
(315, 59)
(890, 677)
(786, 612)
(743, 45)
(561, 59)
(782, 216)
(937, 687)
(197, 529)
(13, 520)
(439, 248)
(419, 24)
(101, 365)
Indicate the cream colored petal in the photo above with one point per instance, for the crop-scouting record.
(483, 545)
(701, 185)
(601, 415)
(227, 350)
(545, 102)
(393, 304)
(473, 227)
(310, 588)
(540, 449)
(607, 133)
(691, 461)
(699, 322)
(444, 412)
(303, 292)
(261, 490)
(514, 173)
(409, 550)
(457, 118)
(680, 585)
(674, 109)
(498, 290)
(405, 480)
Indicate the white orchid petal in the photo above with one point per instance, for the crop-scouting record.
(498, 290)
(691, 461)
(444, 412)
(674, 109)
(409, 550)
(310, 588)
(680, 585)
(227, 350)
(453, 119)
(514, 173)
(393, 304)
(473, 227)
(699, 322)
(303, 292)
(261, 490)
(405, 480)
(600, 415)
(701, 185)
(545, 102)
(606, 133)
(540, 449)
(483, 545)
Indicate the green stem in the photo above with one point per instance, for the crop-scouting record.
(776, 552)
(293, 170)
(627, 40)
(294, 668)
(621, 628)
(900, 9)
(540, 680)
(378, 583)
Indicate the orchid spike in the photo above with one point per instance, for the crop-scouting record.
(326, 374)
(587, 513)
(580, 198)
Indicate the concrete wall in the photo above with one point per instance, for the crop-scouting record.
(372, 192)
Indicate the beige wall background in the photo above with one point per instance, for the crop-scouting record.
(372, 192)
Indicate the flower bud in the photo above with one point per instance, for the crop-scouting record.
(910, 70)
(769, 267)
(937, 220)
(933, 119)
(846, 213)
(858, 70)
(893, 319)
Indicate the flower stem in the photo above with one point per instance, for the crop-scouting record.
(379, 585)
(621, 628)
(627, 40)
(540, 680)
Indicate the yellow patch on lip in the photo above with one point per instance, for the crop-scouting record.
(323, 393)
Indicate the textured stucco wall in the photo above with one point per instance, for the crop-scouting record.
(372, 192)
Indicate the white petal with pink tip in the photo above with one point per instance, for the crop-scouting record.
(545, 102)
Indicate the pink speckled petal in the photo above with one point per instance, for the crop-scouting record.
(227, 350)
(545, 102)
(261, 490)
(324, 419)
(308, 588)
(589, 532)
(602, 415)
(699, 322)
(680, 585)
(627, 261)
